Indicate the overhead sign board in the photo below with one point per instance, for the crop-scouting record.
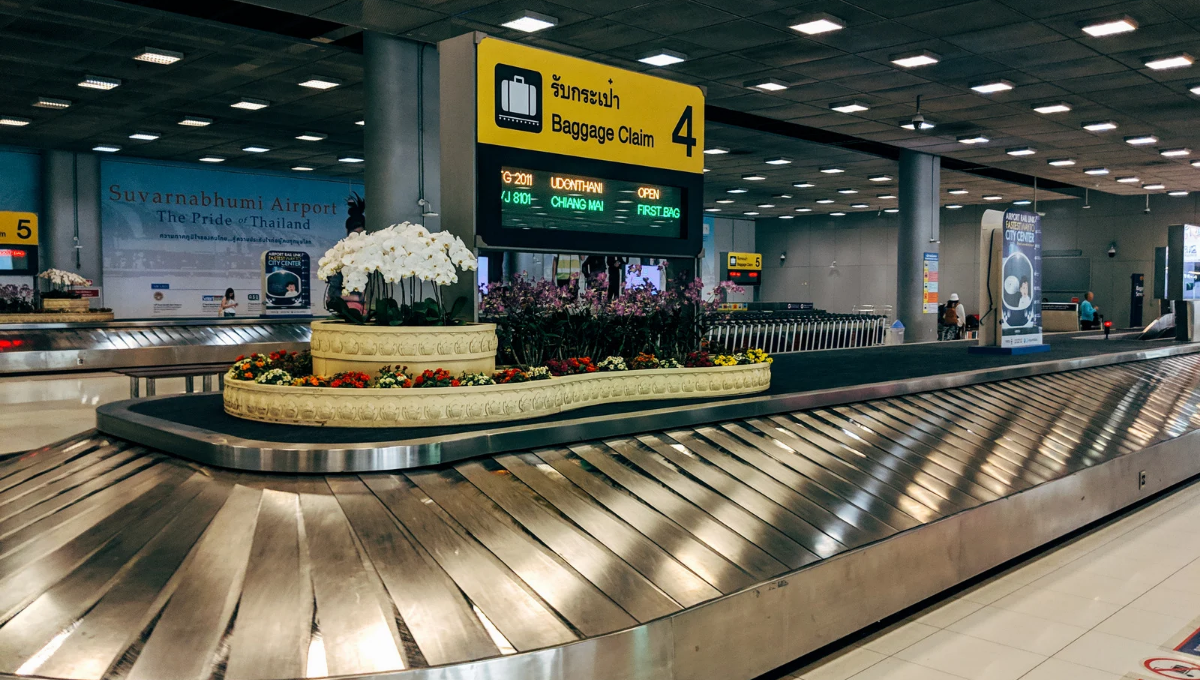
(18, 228)
(542, 101)
(745, 261)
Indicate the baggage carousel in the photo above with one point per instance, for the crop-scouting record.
(715, 546)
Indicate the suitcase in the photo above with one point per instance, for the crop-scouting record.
(518, 97)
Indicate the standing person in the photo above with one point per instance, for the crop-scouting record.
(954, 318)
(229, 304)
(1088, 312)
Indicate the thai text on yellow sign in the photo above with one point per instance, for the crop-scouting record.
(18, 228)
(745, 261)
(533, 99)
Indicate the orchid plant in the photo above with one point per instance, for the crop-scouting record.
(396, 274)
(61, 282)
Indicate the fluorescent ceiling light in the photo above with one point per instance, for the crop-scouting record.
(212, 159)
(707, 170)
(663, 58)
(51, 103)
(978, 138)
(909, 125)
(1173, 61)
(750, 212)
(1141, 140)
(249, 104)
(1196, 164)
(992, 86)
(915, 59)
(736, 190)
(1096, 171)
(360, 122)
(803, 185)
(724, 200)
(767, 84)
(320, 83)
(1056, 107)
(255, 149)
(99, 83)
(350, 159)
(778, 160)
(1177, 193)
(849, 107)
(847, 191)
(195, 121)
(891, 210)
(953, 206)
(837, 214)
(803, 209)
(880, 178)
(886, 196)
(106, 148)
(1061, 162)
(1023, 201)
(716, 150)
(1128, 180)
(754, 177)
(1021, 151)
(145, 136)
(818, 23)
(993, 197)
(311, 136)
(785, 217)
(1175, 153)
(825, 201)
(530, 22)
(153, 55)
(1112, 26)
(958, 192)
(1100, 125)
(13, 121)
(712, 210)
(832, 171)
(766, 205)
(301, 168)
(783, 195)
(1155, 186)
(859, 205)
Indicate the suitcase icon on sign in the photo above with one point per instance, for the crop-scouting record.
(518, 98)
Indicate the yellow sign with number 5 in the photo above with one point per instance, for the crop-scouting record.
(18, 228)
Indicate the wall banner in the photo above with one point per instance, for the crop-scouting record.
(175, 237)
(285, 283)
(929, 302)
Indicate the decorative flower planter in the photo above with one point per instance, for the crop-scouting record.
(70, 305)
(61, 317)
(338, 347)
(423, 407)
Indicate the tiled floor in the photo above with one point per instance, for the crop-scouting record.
(1100, 607)
(39, 410)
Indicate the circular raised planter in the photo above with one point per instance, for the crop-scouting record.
(338, 346)
(71, 305)
(423, 407)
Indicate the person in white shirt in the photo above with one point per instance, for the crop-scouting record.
(955, 319)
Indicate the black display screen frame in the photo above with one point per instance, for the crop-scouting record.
(31, 260)
(490, 159)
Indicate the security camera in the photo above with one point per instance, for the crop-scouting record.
(1146, 210)
(782, 258)
(918, 122)
(1112, 250)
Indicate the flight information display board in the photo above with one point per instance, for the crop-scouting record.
(538, 199)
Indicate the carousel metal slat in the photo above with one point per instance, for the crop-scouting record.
(74, 475)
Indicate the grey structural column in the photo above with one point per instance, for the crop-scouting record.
(400, 83)
(920, 233)
(69, 223)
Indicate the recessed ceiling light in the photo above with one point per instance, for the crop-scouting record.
(825, 201)
(880, 178)
(707, 170)
(750, 212)
(1111, 26)
(320, 83)
(1196, 164)
(1021, 151)
(1154, 186)
(766, 205)
(766, 84)
(837, 214)
(14, 121)
(212, 159)
(736, 190)
(255, 149)
(1177, 193)
(803, 209)
(847, 191)
(1023, 201)
(153, 55)
(250, 104)
(724, 200)
(816, 24)
(915, 59)
(712, 210)
(1056, 107)
(785, 217)
(1175, 153)
(311, 136)
(993, 197)
(754, 177)
(530, 22)
(977, 138)
(849, 107)
(859, 205)
(1128, 180)
(99, 83)
(1096, 171)
(1100, 125)
(350, 159)
(886, 197)
(663, 58)
(803, 185)
(832, 171)
(106, 148)
(953, 206)
(1141, 140)
(1061, 162)
(51, 103)
(1173, 61)
(716, 150)
(360, 122)
(301, 168)
(144, 136)
(891, 210)
(992, 86)
(195, 121)
(925, 125)
(958, 192)
(783, 195)
(778, 160)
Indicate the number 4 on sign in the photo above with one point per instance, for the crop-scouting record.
(682, 134)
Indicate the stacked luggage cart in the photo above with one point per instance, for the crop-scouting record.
(781, 331)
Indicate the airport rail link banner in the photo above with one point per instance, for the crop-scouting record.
(177, 237)
(1021, 280)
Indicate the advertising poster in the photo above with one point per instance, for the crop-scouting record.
(1191, 262)
(930, 285)
(1021, 280)
(176, 238)
(285, 283)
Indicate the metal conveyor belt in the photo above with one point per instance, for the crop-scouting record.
(122, 562)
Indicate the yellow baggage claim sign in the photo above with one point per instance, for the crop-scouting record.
(533, 99)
